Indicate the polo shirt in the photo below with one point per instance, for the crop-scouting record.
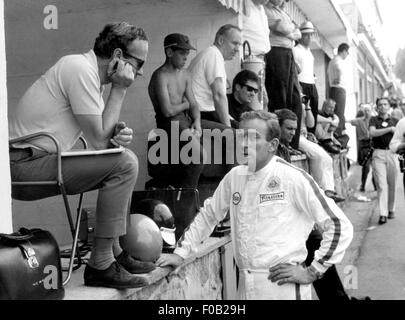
(71, 87)
(382, 142)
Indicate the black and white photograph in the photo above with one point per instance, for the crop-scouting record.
(202, 151)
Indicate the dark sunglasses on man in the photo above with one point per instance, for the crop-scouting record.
(139, 62)
(251, 89)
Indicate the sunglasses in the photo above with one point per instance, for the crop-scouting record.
(139, 62)
(251, 89)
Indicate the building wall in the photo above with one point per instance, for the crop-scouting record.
(5, 191)
(31, 49)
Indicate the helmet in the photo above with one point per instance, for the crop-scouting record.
(307, 27)
(161, 214)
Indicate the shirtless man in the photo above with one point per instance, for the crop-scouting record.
(176, 110)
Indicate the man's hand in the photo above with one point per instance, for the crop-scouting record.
(169, 260)
(273, 23)
(196, 128)
(122, 135)
(287, 273)
(311, 137)
(121, 73)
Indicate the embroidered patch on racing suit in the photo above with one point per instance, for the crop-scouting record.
(271, 197)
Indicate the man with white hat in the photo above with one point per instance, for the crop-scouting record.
(305, 62)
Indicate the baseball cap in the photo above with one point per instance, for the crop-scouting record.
(178, 40)
(307, 27)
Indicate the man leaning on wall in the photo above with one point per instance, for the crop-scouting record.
(67, 101)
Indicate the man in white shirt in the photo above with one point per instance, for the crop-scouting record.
(337, 92)
(67, 101)
(208, 82)
(305, 62)
(273, 207)
(255, 30)
(209, 77)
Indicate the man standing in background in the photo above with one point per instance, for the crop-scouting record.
(337, 92)
(208, 76)
(364, 143)
(281, 73)
(305, 62)
(382, 128)
(255, 30)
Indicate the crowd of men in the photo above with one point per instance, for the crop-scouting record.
(273, 206)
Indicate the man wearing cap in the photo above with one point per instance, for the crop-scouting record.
(176, 111)
(305, 62)
(281, 81)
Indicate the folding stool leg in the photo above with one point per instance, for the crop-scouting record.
(75, 233)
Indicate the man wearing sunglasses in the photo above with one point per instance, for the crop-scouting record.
(67, 101)
(245, 87)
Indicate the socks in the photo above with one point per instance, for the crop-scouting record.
(117, 250)
(102, 256)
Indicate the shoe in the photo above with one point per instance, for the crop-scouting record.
(362, 189)
(382, 220)
(391, 215)
(133, 265)
(115, 276)
(360, 298)
(333, 195)
(330, 147)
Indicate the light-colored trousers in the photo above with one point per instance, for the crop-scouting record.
(256, 286)
(385, 170)
(320, 163)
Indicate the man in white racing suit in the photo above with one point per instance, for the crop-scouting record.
(273, 207)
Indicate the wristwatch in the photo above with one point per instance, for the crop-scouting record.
(307, 109)
(317, 274)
